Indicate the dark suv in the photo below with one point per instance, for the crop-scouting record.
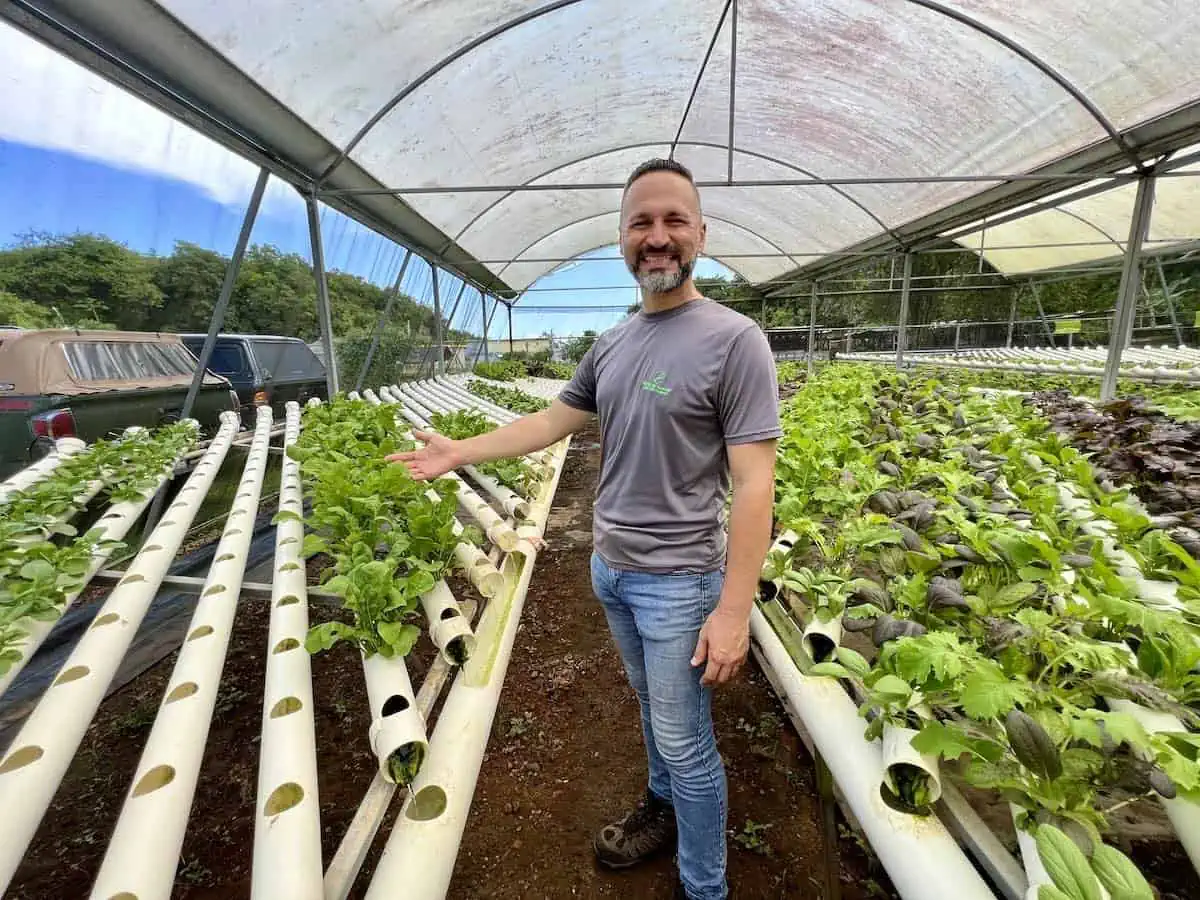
(264, 369)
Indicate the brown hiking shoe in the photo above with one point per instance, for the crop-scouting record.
(644, 832)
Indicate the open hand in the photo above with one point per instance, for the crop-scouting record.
(724, 642)
(439, 456)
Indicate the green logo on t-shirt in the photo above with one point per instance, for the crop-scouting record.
(657, 385)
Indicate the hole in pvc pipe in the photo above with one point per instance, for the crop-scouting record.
(215, 589)
(285, 645)
(20, 758)
(283, 798)
(394, 704)
(231, 532)
(459, 650)
(111, 515)
(182, 691)
(167, 524)
(72, 674)
(225, 557)
(178, 503)
(821, 648)
(158, 777)
(202, 631)
(287, 541)
(237, 512)
(289, 567)
(286, 707)
(449, 613)
(133, 579)
(151, 548)
(428, 804)
(288, 600)
(106, 619)
(124, 895)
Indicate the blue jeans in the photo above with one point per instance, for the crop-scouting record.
(655, 620)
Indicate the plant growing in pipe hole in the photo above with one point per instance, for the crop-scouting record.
(43, 558)
(514, 474)
(389, 540)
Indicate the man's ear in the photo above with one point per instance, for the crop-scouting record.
(703, 234)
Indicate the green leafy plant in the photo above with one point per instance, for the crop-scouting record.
(510, 398)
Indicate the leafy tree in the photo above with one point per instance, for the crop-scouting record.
(578, 346)
(190, 281)
(23, 313)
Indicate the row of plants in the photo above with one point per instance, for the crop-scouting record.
(44, 559)
(1176, 399)
(513, 369)
(510, 398)
(515, 474)
(389, 540)
(987, 628)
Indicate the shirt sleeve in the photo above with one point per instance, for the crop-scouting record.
(580, 391)
(748, 391)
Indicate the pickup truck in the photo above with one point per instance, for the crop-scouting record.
(93, 385)
(264, 369)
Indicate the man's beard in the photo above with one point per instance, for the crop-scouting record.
(658, 282)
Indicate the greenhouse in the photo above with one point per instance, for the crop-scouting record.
(244, 654)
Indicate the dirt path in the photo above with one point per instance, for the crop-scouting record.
(567, 754)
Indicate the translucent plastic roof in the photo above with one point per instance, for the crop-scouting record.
(503, 92)
(1092, 229)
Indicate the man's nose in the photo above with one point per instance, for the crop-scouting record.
(658, 236)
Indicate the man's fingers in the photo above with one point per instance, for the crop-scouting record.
(423, 436)
(701, 649)
(711, 672)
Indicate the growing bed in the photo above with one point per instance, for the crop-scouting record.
(390, 547)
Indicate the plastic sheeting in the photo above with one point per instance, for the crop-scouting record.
(858, 88)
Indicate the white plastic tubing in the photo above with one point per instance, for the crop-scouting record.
(113, 525)
(497, 530)
(921, 857)
(287, 824)
(144, 851)
(420, 403)
(64, 448)
(459, 396)
(41, 752)
(418, 860)
(479, 569)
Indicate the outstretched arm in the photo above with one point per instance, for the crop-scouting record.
(533, 432)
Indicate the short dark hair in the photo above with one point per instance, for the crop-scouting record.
(658, 164)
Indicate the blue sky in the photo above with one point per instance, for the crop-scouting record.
(79, 154)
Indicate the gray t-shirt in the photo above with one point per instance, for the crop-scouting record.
(671, 390)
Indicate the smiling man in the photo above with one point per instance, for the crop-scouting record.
(687, 400)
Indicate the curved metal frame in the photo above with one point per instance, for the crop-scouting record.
(1044, 67)
(709, 144)
(433, 70)
(608, 212)
(699, 77)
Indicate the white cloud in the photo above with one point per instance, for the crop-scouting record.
(52, 102)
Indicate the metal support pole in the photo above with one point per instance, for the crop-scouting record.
(812, 326)
(827, 804)
(324, 318)
(449, 322)
(438, 338)
(510, 337)
(1127, 296)
(1012, 319)
(905, 289)
(733, 12)
(383, 317)
(231, 272)
(1037, 296)
(957, 335)
(1162, 279)
(763, 312)
(486, 325)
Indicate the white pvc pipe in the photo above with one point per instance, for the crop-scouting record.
(448, 628)
(397, 732)
(64, 449)
(287, 823)
(457, 396)
(41, 752)
(143, 854)
(921, 857)
(113, 526)
(418, 860)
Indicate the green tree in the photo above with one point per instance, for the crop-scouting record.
(24, 313)
(577, 346)
(190, 281)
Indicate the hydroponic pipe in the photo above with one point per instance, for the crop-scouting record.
(474, 562)
(463, 398)
(112, 526)
(420, 414)
(497, 530)
(40, 754)
(143, 854)
(431, 395)
(419, 857)
(397, 732)
(64, 448)
(287, 819)
(448, 628)
(921, 857)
